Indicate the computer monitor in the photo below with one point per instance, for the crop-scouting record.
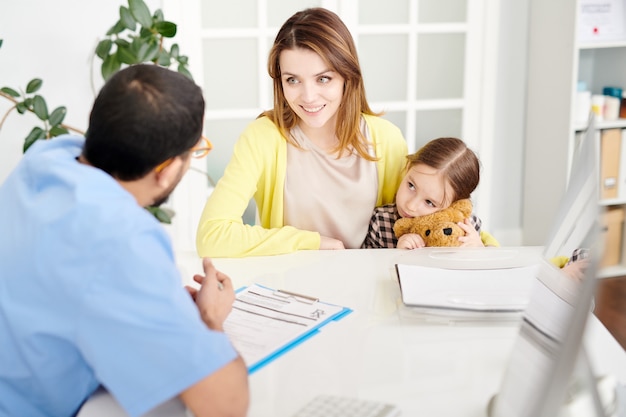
(540, 369)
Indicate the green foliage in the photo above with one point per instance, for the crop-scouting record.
(138, 37)
(161, 215)
(29, 101)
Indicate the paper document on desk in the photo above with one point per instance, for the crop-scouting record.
(265, 323)
(480, 290)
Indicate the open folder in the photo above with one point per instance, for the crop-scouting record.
(467, 280)
(265, 323)
(486, 290)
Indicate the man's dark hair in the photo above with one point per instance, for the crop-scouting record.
(144, 115)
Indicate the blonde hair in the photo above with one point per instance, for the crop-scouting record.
(322, 32)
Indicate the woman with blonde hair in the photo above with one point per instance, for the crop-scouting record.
(317, 163)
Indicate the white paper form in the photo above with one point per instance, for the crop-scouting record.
(484, 290)
(265, 323)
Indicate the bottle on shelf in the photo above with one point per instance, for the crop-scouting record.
(597, 106)
(583, 102)
(613, 96)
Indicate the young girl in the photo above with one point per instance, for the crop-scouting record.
(317, 163)
(441, 172)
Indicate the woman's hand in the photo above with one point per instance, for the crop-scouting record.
(472, 237)
(410, 241)
(215, 296)
(327, 243)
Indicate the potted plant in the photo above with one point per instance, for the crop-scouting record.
(138, 36)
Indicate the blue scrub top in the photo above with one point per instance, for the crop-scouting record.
(90, 294)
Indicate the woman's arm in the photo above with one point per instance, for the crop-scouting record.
(252, 171)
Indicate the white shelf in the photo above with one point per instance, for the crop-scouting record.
(612, 271)
(612, 124)
(602, 44)
(613, 202)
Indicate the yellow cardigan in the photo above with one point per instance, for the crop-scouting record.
(257, 169)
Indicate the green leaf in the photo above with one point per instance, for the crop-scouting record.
(147, 52)
(29, 103)
(163, 59)
(160, 214)
(103, 48)
(110, 65)
(57, 116)
(146, 35)
(126, 56)
(140, 12)
(118, 27)
(33, 85)
(21, 108)
(183, 70)
(175, 51)
(158, 15)
(10, 91)
(127, 18)
(34, 135)
(1, 43)
(166, 29)
(122, 43)
(58, 131)
(40, 107)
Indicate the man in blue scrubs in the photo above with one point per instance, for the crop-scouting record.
(89, 290)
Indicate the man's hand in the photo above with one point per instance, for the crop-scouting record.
(215, 296)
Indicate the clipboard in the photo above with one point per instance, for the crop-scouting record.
(265, 323)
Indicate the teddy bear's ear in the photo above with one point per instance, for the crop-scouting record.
(402, 226)
(464, 206)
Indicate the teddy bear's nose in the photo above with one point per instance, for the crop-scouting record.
(447, 231)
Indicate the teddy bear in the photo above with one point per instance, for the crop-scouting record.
(439, 228)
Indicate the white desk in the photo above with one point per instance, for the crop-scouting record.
(382, 350)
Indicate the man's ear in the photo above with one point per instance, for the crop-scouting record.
(169, 173)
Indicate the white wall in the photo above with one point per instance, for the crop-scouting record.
(508, 120)
(54, 41)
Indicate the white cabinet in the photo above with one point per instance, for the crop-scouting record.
(557, 61)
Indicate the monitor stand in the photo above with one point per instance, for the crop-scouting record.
(587, 395)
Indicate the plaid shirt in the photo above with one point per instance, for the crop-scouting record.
(380, 232)
(578, 254)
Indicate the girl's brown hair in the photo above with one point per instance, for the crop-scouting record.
(458, 164)
(323, 32)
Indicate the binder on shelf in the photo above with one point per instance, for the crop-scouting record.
(612, 222)
(621, 186)
(610, 144)
(265, 323)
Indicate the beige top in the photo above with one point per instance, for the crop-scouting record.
(334, 197)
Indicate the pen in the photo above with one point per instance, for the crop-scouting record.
(293, 294)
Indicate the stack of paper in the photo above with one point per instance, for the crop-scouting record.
(461, 280)
(484, 290)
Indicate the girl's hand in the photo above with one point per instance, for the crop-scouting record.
(410, 241)
(472, 237)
